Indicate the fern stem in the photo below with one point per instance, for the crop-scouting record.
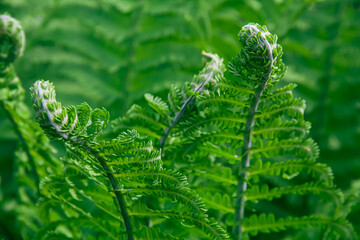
(188, 102)
(116, 189)
(175, 120)
(245, 161)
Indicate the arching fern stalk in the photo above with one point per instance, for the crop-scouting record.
(126, 166)
(259, 64)
(242, 128)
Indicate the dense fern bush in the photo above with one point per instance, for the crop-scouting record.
(243, 139)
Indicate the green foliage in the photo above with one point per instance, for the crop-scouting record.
(243, 121)
(34, 156)
(112, 52)
(108, 179)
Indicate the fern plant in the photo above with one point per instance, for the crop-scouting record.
(242, 138)
(88, 200)
(239, 136)
(34, 158)
(107, 180)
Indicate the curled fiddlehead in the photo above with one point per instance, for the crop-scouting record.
(260, 58)
(12, 37)
(12, 46)
(72, 123)
(258, 63)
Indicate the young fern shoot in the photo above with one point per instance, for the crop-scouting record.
(243, 141)
(76, 126)
(127, 168)
(257, 62)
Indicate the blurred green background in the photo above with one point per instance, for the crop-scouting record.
(110, 52)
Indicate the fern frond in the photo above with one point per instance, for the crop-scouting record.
(73, 123)
(291, 167)
(277, 128)
(12, 32)
(240, 129)
(99, 173)
(168, 177)
(267, 223)
(154, 234)
(181, 195)
(296, 147)
(256, 192)
(35, 157)
(293, 108)
(280, 94)
(214, 119)
(158, 105)
(218, 174)
(209, 226)
(219, 202)
(214, 100)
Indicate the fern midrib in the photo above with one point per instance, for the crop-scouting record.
(247, 143)
(245, 161)
(208, 76)
(115, 186)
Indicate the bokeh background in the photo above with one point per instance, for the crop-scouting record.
(110, 52)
